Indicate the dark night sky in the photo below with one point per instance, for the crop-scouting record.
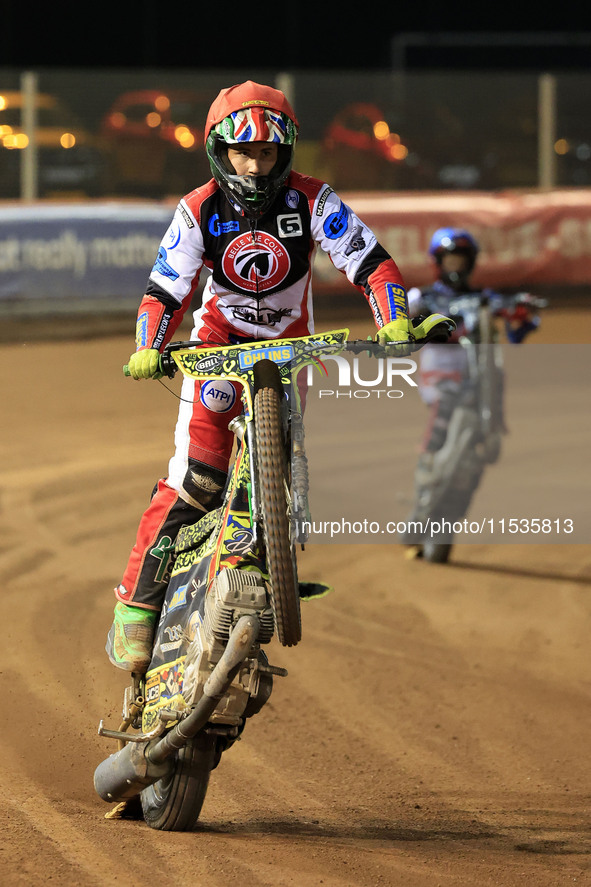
(283, 35)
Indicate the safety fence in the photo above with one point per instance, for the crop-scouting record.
(90, 256)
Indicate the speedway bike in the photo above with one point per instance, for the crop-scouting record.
(476, 426)
(233, 585)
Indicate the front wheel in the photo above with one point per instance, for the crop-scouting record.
(272, 474)
(174, 804)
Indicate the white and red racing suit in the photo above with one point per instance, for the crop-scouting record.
(259, 286)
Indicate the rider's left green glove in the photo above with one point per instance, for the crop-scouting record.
(396, 331)
(145, 364)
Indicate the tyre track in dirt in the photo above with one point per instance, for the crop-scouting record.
(433, 728)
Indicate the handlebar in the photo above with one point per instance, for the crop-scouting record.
(439, 333)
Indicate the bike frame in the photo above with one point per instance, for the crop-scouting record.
(228, 537)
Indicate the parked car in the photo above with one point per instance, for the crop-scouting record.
(363, 149)
(70, 159)
(155, 140)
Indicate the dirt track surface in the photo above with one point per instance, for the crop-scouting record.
(434, 728)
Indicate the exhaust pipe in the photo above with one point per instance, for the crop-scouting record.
(129, 771)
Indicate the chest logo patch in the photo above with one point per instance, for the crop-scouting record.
(257, 265)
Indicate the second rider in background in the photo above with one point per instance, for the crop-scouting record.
(443, 380)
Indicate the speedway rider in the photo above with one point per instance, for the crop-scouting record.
(443, 377)
(254, 227)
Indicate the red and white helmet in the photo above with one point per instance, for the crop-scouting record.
(250, 112)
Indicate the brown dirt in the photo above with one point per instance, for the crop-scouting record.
(433, 730)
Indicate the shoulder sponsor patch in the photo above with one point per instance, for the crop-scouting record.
(187, 218)
(162, 267)
(322, 200)
(337, 223)
(173, 236)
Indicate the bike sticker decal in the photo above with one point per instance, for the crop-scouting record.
(153, 689)
(164, 686)
(193, 624)
(218, 396)
(179, 599)
(277, 355)
(162, 551)
(256, 266)
(208, 363)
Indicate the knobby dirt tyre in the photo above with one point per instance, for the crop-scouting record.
(272, 473)
(436, 552)
(174, 804)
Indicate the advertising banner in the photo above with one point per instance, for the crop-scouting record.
(92, 251)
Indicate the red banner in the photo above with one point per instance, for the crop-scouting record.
(526, 239)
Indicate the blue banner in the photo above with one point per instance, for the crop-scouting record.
(78, 252)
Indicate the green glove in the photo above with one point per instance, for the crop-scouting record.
(434, 328)
(145, 364)
(396, 331)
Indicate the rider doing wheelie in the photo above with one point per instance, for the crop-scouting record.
(254, 227)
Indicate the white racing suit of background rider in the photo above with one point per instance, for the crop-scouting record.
(258, 287)
(444, 385)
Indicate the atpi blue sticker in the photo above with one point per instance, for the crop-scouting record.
(218, 395)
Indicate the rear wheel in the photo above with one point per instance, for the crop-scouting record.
(174, 803)
(273, 472)
(436, 553)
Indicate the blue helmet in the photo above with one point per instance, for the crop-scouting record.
(453, 240)
(457, 241)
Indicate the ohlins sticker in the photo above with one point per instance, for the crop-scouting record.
(162, 266)
(277, 355)
(256, 266)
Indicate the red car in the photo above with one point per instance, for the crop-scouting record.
(155, 138)
(362, 149)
